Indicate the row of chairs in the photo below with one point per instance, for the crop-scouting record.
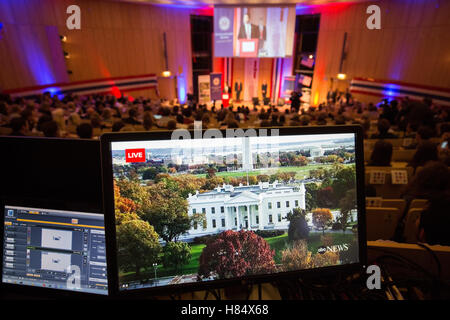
(388, 187)
(382, 221)
(398, 155)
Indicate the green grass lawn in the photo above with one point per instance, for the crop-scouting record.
(301, 172)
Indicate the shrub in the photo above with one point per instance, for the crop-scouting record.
(336, 226)
(203, 239)
(176, 254)
(269, 233)
(236, 254)
(299, 257)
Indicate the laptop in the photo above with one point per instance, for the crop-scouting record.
(53, 249)
(190, 210)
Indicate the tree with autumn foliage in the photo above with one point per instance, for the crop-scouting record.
(321, 218)
(167, 212)
(138, 245)
(124, 208)
(236, 254)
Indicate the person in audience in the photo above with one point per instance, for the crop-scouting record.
(43, 119)
(381, 154)
(444, 149)
(322, 119)
(304, 120)
(383, 130)
(96, 121)
(171, 125)
(295, 121)
(434, 221)
(50, 129)
(148, 121)
(424, 133)
(107, 117)
(426, 151)
(117, 126)
(18, 126)
(85, 131)
(431, 183)
(339, 120)
(132, 113)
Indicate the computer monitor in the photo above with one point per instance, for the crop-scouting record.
(54, 249)
(51, 173)
(187, 210)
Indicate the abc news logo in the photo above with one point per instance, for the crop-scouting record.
(334, 248)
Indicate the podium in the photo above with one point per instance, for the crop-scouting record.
(248, 48)
(225, 100)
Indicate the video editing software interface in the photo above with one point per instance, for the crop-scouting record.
(198, 210)
(55, 249)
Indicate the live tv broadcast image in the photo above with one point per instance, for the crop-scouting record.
(255, 31)
(189, 211)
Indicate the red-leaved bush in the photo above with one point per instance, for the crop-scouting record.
(236, 254)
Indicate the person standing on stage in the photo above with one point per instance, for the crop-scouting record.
(295, 101)
(264, 90)
(238, 89)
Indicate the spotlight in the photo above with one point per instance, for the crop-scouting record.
(63, 38)
(166, 74)
(66, 55)
(311, 56)
(341, 76)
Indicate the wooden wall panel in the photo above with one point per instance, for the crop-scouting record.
(413, 44)
(116, 39)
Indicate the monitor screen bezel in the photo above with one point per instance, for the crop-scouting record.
(33, 292)
(108, 197)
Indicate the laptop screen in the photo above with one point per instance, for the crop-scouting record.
(54, 249)
(198, 210)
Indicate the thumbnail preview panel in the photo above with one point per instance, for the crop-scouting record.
(54, 261)
(58, 239)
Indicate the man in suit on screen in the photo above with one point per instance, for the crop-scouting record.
(248, 30)
(262, 35)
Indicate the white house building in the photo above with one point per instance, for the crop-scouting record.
(253, 207)
(316, 152)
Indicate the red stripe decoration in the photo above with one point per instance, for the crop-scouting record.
(104, 85)
(399, 90)
(402, 83)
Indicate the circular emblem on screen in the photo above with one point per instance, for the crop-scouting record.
(322, 249)
(224, 23)
(216, 81)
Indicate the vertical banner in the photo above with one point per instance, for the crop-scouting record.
(288, 86)
(223, 31)
(251, 78)
(204, 91)
(216, 86)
